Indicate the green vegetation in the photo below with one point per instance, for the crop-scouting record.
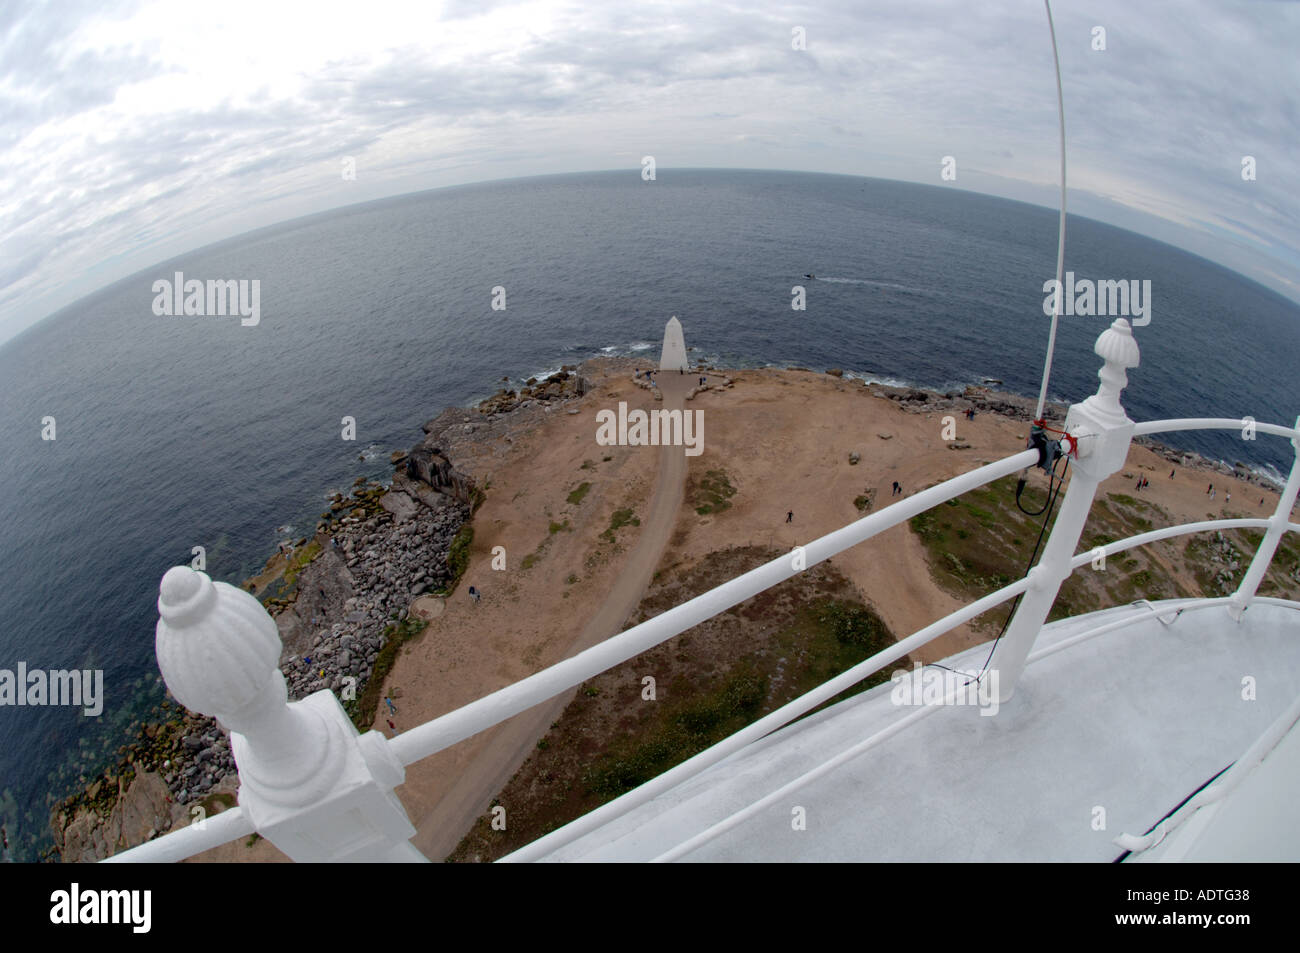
(710, 682)
(683, 730)
(576, 496)
(458, 557)
(299, 560)
(209, 803)
(980, 541)
(712, 493)
(362, 708)
(828, 636)
(620, 519)
(558, 527)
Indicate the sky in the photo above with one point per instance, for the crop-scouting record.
(134, 131)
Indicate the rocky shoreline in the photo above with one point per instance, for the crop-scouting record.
(339, 598)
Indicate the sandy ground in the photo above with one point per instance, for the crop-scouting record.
(784, 438)
(444, 799)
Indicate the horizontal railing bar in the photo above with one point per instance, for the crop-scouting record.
(446, 730)
(765, 725)
(1182, 529)
(1210, 423)
(187, 841)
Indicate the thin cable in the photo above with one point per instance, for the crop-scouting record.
(1052, 494)
(1060, 238)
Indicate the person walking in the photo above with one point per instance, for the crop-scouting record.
(1227, 498)
(789, 517)
(897, 489)
(474, 594)
(392, 709)
(1139, 484)
(391, 725)
(1209, 489)
(1213, 494)
(1171, 474)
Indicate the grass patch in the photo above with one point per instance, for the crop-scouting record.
(712, 492)
(576, 496)
(684, 729)
(299, 560)
(209, 803)
(458, 558)
(558, 527)
(981, 541)
(362, 708)
(710, 681)
(621, 518)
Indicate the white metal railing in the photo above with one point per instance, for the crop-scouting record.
(320, 791)
(442, 732)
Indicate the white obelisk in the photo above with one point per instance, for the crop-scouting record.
(673, 357)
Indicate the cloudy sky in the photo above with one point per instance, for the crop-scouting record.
(134, 131)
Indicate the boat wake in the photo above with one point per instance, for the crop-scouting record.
(892, 286)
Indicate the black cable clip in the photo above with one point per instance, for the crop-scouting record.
(1049, 451)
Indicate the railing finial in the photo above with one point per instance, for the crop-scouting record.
(1118, 348)
(309, 783)
(217, 648)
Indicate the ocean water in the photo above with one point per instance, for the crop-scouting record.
(174, 432)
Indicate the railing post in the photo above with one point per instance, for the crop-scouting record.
(1103, 432)
(1241, 599)
(310, 784)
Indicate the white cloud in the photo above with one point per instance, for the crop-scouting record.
(135, 132)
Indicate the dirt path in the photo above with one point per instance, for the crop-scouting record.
(507, 745)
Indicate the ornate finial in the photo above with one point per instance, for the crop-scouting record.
(1116, 345)
(217, 647)
(1119, 350)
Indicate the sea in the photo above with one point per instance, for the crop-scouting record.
(173, 432)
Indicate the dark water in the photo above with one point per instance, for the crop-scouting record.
(176, 432)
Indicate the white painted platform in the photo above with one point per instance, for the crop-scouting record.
(1132, 721)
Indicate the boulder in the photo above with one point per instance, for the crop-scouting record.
(399, 504)
(430, 466)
